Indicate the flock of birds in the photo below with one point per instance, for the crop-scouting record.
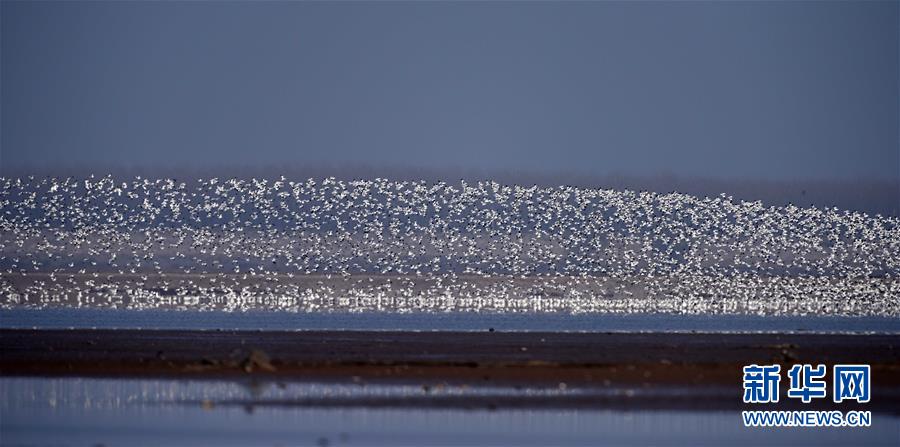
(377, 244)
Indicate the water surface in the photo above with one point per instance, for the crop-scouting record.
(78, 411)
(83, 318)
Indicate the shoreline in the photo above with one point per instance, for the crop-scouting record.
(704, 370)
(85, 318)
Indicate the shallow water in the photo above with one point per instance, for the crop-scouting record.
(77, 411)
(64, 318)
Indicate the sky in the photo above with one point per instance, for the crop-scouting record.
(753, 90)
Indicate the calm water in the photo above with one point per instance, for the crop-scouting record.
(77, 411)
(61, 318)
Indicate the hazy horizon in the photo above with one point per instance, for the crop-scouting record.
(781, 102)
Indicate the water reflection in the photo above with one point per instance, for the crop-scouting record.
(79, 411)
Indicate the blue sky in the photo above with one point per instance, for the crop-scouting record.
(751, 90)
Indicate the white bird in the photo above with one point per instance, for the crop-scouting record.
(255, 243)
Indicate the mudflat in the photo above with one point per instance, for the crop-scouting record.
(692, 363)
